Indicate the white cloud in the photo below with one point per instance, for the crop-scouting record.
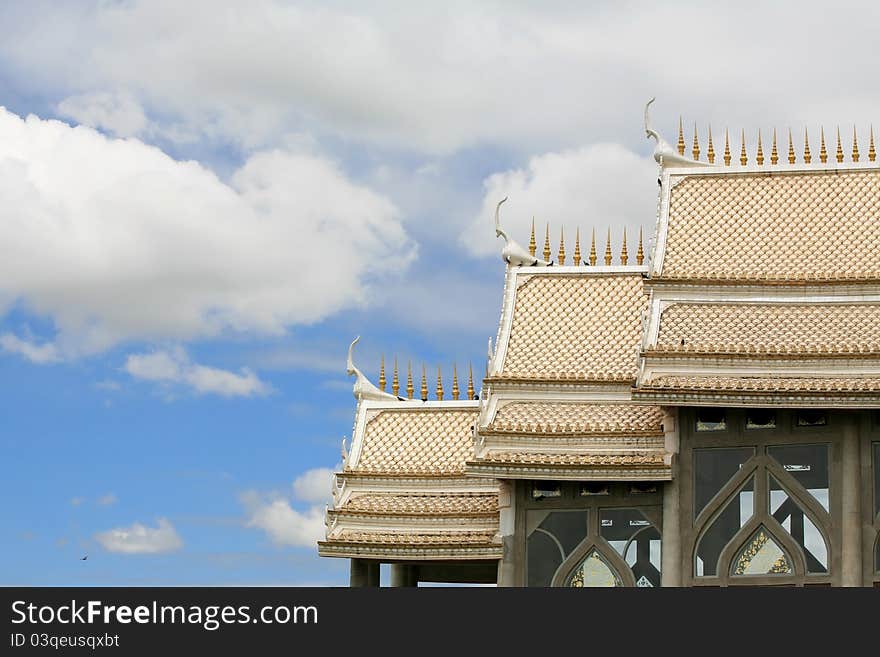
(36, 353)
(175, 367)
(115, 112)
(107, 500)
(76, 501)
(314, 485)
(140, 539)
(455, 74)
(282, 523)
(114, 241)
(601, 186)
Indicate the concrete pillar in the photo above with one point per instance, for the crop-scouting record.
(670, 546)
(403, 574)
(359, 573)
(851, 523)
(507, 527)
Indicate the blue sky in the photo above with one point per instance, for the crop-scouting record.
(202, 203)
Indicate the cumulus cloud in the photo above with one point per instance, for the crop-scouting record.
(141, 539)
(114, 241)
(601, 186)
(115, 112)
(283, 524)
(453, 75)
(174, 367)
(314, 485)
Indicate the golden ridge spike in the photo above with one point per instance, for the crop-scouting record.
(547, 243)
(807, 157)
(759, 157)
(855, 153)
(455, 391)
(561, 255)
(696, 149)
(640, 254)
(577, 247)
(680, 138)
(424, 390)
(395, 380)
(774, 154)
(710, 153)
(872, 154)
(533, 246)
(823, 154)
(839, 153)
(470, 388)
(439, 390)
(382, 380)
(743, 158)
(608, 248)
(624, 257)
(791, 158)
(593, 249)
(726, 147)
(409, 381)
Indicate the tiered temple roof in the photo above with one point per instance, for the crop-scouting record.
(763, 289)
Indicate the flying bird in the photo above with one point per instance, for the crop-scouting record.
(84, 558)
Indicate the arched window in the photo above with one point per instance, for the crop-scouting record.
(593, 535)
(761, 514)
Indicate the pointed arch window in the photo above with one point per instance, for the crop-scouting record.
(762, 513)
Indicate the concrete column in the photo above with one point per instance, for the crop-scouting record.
(402, 574)
(507, 525)
(851, 523)
(359, 573)
(670, 546)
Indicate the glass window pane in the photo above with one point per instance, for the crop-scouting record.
(568, 527)
(594, 571)
(711, 419)
(713, 468)
(812, 418)
(761, 555)
(635, 539)
(723, 528)
(808, 464)
(798, 524)
(543, 558)
(542, 490)
(760, 419)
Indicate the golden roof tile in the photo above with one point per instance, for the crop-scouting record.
(432, 441)
(577, 417)
(414, 538)
(750, 328)
(413, 504)
(572, 459)
(576, 327)
(795, 226)
(775, 384)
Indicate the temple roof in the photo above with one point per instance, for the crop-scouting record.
(402, 493)
(581, 418)
(769, 328)
(416, 439)
(782, 225)
(573, 325)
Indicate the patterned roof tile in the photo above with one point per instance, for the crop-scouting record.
(577, 417)
(787, 226)
(576, 326)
